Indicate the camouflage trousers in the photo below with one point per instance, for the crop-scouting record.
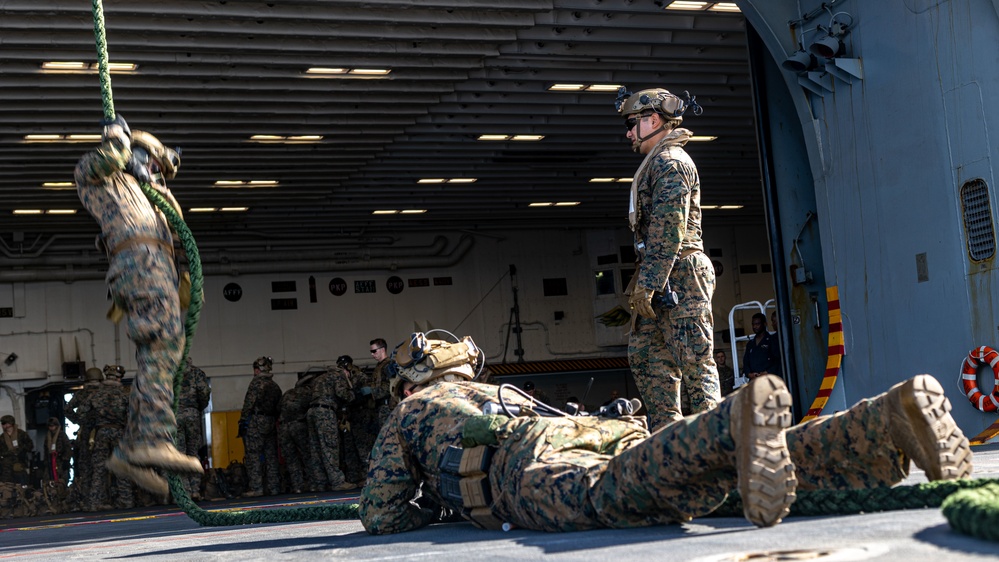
(261, 455)
(848, 450)
(189, 440)
(324, 433)
(101, 479)
(569, 474)
(143, 282)
(666, 354)
(364, 425)
(82, 469)
(293, 440)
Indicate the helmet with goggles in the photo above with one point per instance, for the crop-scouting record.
(656, 100)
(421, 360)
(147, 147)
(114, 371)
(263, 364)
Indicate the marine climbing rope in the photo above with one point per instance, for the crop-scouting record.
(179, 227)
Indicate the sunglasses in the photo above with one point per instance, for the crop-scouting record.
(630, 122)
(375, 350)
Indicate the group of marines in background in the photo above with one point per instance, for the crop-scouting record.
(322, 429)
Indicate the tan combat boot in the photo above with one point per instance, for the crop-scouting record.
(145, 478)
(163, 455)
(767, 483)
(921, 426)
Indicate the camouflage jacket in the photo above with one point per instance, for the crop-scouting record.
(407, 453)
(295, 404)
(194, 390)
(79, 411)
(331, 389)
(262, 397)
(110, 404)
(669, 211)
(19, 454)
(380, 379)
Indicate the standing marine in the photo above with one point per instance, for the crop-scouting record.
(79, 411)
(329, 391)
(143, 280)
(671, 342)
(15, 452)
(293, 434)
(259, 421)
(110, 406)
(195, 393)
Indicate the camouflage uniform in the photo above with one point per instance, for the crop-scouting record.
(79, 412)
(676, 347)
(143, 281)
(260, 409)
(58, 453)
(568, 474)
(110, 406)
(195, 393)
(380, 388)
(328, 391)
(15, 453)
(293, 434)
(363, 419)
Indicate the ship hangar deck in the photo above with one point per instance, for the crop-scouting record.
(166, 533)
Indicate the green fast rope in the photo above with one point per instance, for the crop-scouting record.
(177, 224)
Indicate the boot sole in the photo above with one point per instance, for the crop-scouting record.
(179, 464)
(766, 474)
(935, 443)
(144, 478)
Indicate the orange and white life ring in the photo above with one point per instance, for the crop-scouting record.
(984, 355)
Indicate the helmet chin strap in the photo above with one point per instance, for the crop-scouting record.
(639, 139)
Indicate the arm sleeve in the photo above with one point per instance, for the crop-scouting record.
(249, 399)
(667, 223)
(386, 505)
(99, 164)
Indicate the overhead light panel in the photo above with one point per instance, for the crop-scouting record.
(567, 203)
(724, 7)
(463, 180)
(494, 137)
(584, 87)
(77, 67)
(325, 70)
(289, 139)
(554, 204)
(61, 212)
(730, 207)
(685, 5)
(708, 207)
(529, 138)
(370, 71)
(611, 180)
(446, 180)
(510, 137)
(319, 71)
(202, 209)
(701, 138)
(431, 180)
(545, 204)
(385, 212)
(234, 209)
(59, 185)
(28, 211)
(246, 184)
(52, 138)
(412, 211)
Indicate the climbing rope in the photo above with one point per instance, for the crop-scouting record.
(179, 227)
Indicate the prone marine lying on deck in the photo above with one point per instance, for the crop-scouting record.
(575, 473)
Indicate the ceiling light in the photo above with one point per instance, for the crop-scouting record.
(42, 138)
(59, 185)
(546, 204)
(27, 211)
(603, 88)
(246, 184)
(117, 66)
(566, 87)
(83, 138)
(324, 70)
(685, 5)
(463, 180)
(261, 183)
(234, 209)
(267, 138)
(229, 183)
(724, 7)
(280, 139)
(413, 211)
(304, 138)
(431, 180)
(370, 71)
(730, 207)
(61, 138)
(61, 211)
(567, 203)
(64, 65)
(527, 137)
(602, 180)
(494, 137)
(701, 138)
(708, 207)
(625, 180)
(385, 212)
(201, 209)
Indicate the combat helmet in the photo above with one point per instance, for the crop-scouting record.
(93, 374)
(113, 371)
(264, 364)
(344, 361)
(166, 160)
(658, 100)
(421, 360)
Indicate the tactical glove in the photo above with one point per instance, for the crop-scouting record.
(641, 301)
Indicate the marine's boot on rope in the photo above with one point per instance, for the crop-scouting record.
(686, 469)
(870, 445)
